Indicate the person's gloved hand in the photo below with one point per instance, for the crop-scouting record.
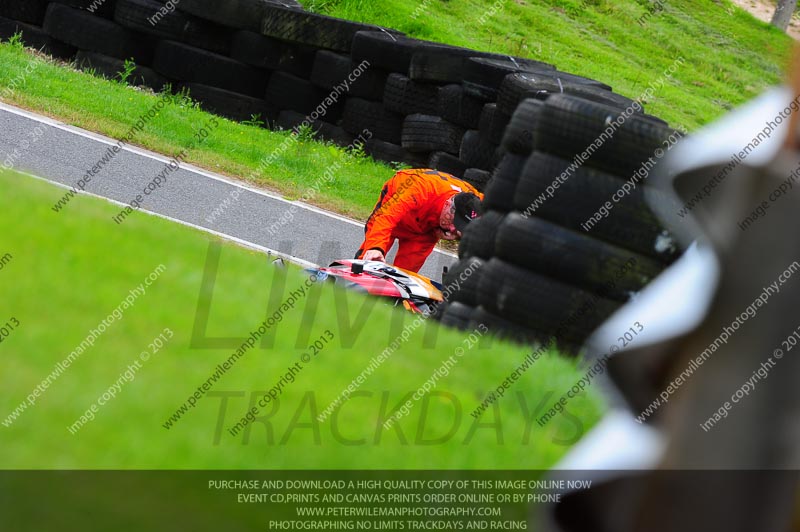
(374, 254)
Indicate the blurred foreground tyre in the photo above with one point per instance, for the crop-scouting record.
(477, 178)
(502, 186)
(457, 315)
(518, 136)
(540, 303)
(461, 280)
(573, 258)
(479, 237)
(575, 197)
(502, 328)
(629, 142)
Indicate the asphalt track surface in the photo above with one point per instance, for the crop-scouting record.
(62, 154)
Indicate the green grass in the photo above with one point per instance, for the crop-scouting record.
(69, 271)
(243, 151)
(729, 57)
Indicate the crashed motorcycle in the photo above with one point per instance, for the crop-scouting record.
(414, 292)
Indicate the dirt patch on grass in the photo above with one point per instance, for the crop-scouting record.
(764, 9)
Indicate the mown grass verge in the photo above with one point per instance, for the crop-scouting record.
(68, 272)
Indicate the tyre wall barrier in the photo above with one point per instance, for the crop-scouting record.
(513, 127)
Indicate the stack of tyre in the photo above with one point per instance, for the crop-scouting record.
(447, 107)
(509, 125)
(423, 103)
(562, 242)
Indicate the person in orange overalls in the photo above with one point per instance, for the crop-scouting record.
(418, 207)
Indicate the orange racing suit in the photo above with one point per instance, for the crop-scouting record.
(409, 210)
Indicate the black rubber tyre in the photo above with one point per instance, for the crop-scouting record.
(144, 16)
(88, 32)
(569, 125)
(502, 328)
(35, 37)
(461, 280)
(330, 69)
(290, 4)
(541, 303)
(574, 79)
(477, 152)
(110, 68)
(105, 8)
(323, 131)
(493, 123)
(477, 178)
(483, 75)
(479, 92)
(517, 87)
(456, 315)
(582, 191)
(264, 52)
(332, 133)
(455, 106)
(574, 258)
(286, 91)
(30, 11)
(518, 137)
(408, 97)
(448, 163)
(479, 238)
(362, 114)
(337, 70)
(231, 105)
(442, 64)
(425, 133)
(393, 153)
(445, 64)
(239, 14)
(288, 120)
(192, 65)
(502, 186)
(384, 50)
(314, 30)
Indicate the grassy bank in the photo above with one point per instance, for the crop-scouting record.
(729, 57)
(242, 151)
(69, 272)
